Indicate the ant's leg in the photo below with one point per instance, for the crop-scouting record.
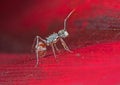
(37, 58)
(53, 49)
(56, 47)
(65, 45)
(36, 41)
(33, 45)
(38, 37)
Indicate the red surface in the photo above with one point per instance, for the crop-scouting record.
(93, 65)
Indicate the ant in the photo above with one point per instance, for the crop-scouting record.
(40, 44)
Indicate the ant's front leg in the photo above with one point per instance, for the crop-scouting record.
(65, 45)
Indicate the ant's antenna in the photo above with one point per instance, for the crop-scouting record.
(67, 18)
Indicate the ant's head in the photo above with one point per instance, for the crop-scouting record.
(63, 33)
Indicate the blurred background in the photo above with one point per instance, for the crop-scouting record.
(94, 21)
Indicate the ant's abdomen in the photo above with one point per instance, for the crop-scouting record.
(41, 48)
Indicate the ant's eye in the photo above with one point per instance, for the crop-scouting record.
(66, 33)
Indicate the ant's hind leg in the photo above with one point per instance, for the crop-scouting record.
(39, 38)
(34, 44)
(36, 41)
(37, 59)
(65, 45)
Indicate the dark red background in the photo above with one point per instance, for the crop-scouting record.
(22, 20)
(94, 38)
